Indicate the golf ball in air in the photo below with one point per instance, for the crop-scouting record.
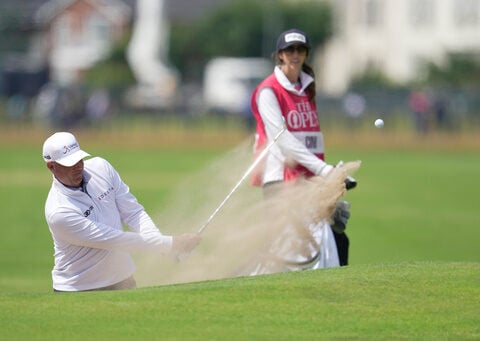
(379, 123)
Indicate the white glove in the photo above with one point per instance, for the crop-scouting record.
(184, 244)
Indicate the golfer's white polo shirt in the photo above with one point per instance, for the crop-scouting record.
(92, 250)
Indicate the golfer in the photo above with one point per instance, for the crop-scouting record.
(85, 210)
(287, 97)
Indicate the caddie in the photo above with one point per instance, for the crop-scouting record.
(287, 97)
(86, 209)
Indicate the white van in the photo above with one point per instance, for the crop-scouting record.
(229, 82)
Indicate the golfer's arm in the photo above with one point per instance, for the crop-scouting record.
(131, 211)
(133, 214)
(75, 229)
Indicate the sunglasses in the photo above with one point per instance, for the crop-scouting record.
(301, 49)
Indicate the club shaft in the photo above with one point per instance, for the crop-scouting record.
(247, 173)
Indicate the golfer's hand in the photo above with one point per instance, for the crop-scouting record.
(184, 244)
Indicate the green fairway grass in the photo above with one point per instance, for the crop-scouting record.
(414, 260)
(415, 205)
(413, 301)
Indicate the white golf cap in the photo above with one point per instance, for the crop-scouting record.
(64, 149)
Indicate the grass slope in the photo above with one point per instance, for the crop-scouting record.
(410, 300)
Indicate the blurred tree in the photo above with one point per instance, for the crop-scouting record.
(114, 71)
(461, 70)
(15, 31)
(244, 28)
(372, 79)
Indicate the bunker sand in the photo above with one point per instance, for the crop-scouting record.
(246, 226)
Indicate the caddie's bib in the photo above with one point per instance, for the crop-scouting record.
(301, 119)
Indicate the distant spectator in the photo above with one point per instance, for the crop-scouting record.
(98, 105)
(60, 106)
(354, 106)
(420, 105)
(441, 110)
(17, 107)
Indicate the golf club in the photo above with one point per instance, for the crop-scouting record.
(247, 173)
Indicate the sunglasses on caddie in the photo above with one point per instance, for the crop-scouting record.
(299, 48)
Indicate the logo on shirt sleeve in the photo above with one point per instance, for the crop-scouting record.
(87, 212)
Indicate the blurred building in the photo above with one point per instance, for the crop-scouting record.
(147, 53)
(67, 37)
(79, 33)
(395, 38)
(23, 67)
